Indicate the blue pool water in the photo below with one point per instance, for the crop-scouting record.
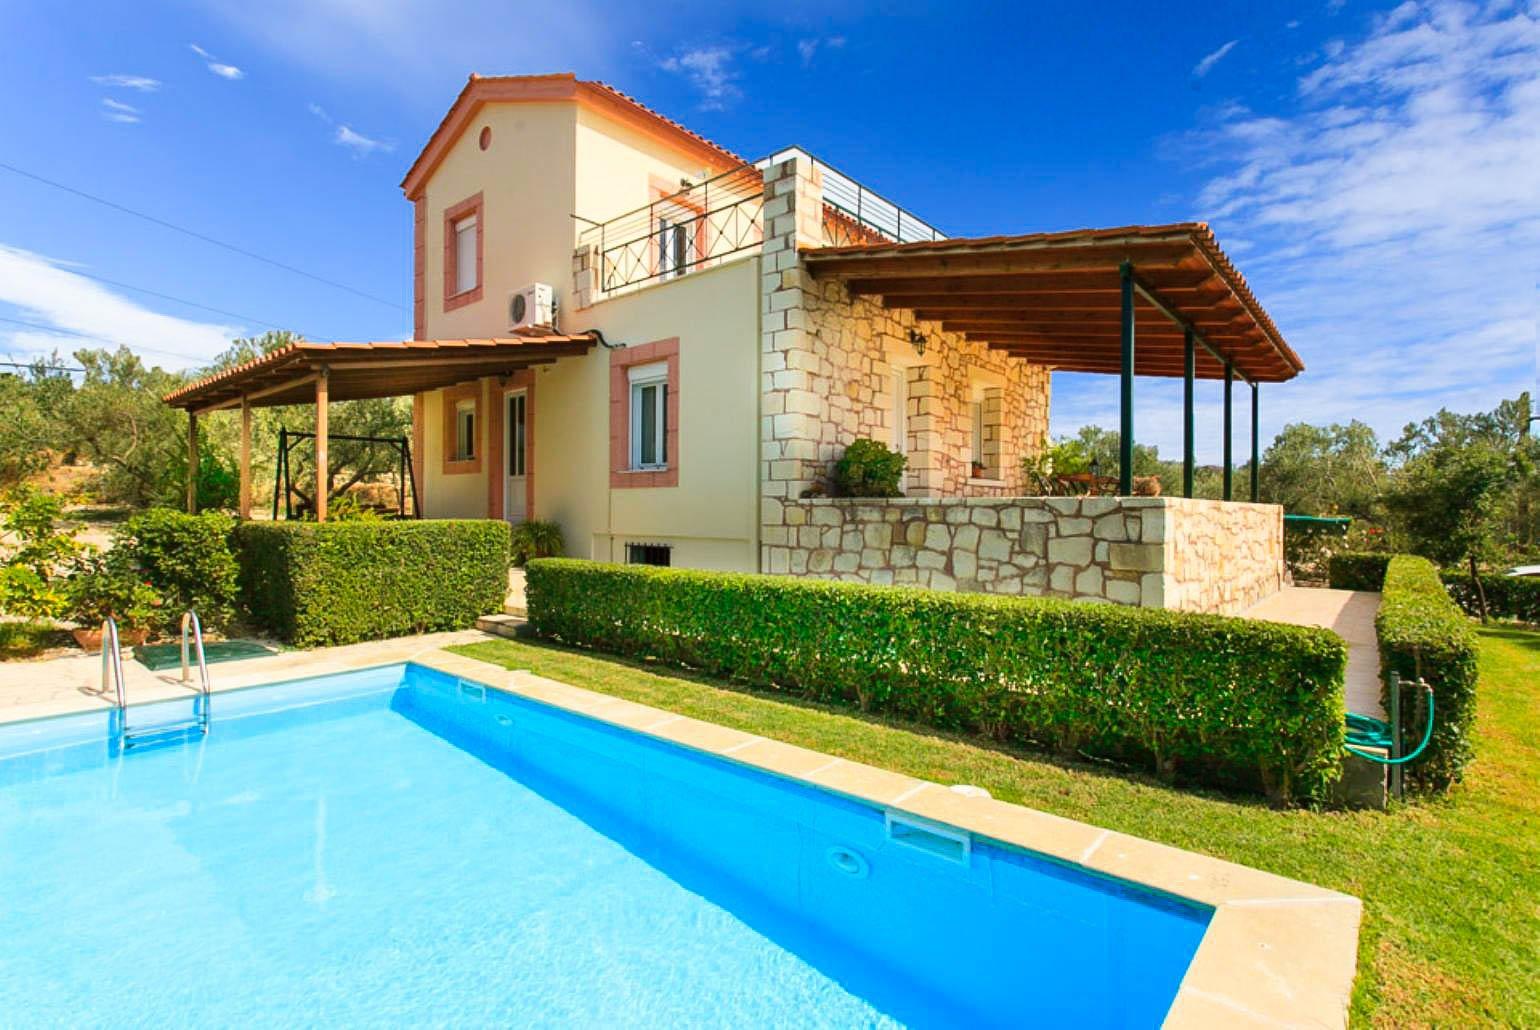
(397, 847)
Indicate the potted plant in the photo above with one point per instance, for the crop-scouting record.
(111, 585)
(869, 468)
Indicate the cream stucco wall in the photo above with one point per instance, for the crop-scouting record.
(526, 179)
(547, 162)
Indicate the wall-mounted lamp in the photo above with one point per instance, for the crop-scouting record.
(918, 339)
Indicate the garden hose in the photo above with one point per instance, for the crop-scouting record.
(1366, 731)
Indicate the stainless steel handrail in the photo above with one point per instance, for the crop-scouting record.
(190, 620)
(112, 660)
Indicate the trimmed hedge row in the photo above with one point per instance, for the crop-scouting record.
(341, 582)
(1423, 632)
(1508, 597)
(1218, 700)
(1357, 570)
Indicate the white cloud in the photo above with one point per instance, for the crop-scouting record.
(1206, 65)
(1391, 216)
(44, 291)
(710, 70)
(360, 144)
(117, 111)
(142, 83)
(807, 49)
(224, 71)
(320, 112)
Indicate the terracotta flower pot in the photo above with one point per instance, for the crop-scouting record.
(90, 640)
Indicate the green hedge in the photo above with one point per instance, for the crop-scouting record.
(1508, 597)
(188, 559)
(1213, 699)
(340, 582)
(1423, 632)
(1356, 570)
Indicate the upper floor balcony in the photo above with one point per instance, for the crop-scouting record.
(721, 219)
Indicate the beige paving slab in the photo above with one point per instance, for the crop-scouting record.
(60, 686)
(1349, 614)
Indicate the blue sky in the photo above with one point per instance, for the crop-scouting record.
(1373, 169)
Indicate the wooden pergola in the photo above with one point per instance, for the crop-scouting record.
(1159, 300)
(306, 372)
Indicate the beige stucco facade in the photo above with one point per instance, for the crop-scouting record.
(771, 374)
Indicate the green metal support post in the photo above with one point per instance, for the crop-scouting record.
(1189, 373)
(1229, 476)
(1256, 457)
(1126, 429)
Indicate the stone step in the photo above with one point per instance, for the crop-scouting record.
(500, 624)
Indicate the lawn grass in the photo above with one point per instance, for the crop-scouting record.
(1451, 887)
(19, 640)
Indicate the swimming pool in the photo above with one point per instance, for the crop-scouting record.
(400, 845)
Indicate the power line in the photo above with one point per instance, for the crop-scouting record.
(45, 368)
(98, 339)
(181, 300)
(199, 236)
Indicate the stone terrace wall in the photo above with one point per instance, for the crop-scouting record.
(1222, 556)
(1150, 551)
(828, 363)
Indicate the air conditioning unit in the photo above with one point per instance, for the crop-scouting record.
(533, 305)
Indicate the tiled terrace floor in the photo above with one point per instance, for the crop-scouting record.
(1350, 613)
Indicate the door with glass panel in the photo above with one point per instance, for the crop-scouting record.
(516, 497)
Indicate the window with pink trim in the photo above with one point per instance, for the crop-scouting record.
(644, 415)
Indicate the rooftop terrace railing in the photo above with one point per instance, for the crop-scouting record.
(718, 219)
(855, 214)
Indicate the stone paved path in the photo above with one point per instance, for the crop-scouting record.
(1350, 613)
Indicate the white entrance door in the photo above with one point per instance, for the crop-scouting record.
(515, 496)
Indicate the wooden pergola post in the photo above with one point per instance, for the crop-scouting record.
(321, 486)
(192, 462)
(245, 503)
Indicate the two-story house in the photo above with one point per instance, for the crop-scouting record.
(627, 329)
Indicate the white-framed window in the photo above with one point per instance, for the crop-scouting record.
(899, 417)
(976, 415)
(465, 430)
(649, 415)
(465, 231)
(673, 248)
(518, 438)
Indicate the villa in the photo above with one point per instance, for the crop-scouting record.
(663, 347)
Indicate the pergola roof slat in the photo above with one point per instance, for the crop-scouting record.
(1059, 294)
(382, 368)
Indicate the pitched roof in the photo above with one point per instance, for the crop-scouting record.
(563, 86)
(388, 368)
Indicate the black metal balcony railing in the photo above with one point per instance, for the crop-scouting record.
(708, 222)
(699, 226)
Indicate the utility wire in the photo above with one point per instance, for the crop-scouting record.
(182, 300)
(99, 339)
(199, 236)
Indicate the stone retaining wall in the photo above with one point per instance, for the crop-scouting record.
(1150, 551)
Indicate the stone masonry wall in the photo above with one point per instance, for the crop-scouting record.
(1222, 556)
(828, 363)
(1150, 551)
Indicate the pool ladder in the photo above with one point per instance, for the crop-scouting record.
(112, 669)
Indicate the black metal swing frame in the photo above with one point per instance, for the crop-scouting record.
(283, 485)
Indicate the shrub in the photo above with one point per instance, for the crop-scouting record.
(869, 468)
(1216, 699)
(113, 584)
(315, 584)
(186, 558)
(1508, 597)
(1422, 632)
(1357, 570)
(535, 539)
